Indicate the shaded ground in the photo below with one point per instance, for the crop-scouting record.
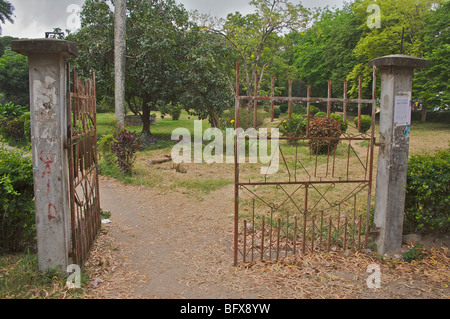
(168, 245)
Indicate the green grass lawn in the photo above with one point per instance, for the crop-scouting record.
(106, 121)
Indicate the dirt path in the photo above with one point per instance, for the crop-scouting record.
(166, 245)
(169, 239)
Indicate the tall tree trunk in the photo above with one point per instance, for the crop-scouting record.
(146, 117)
(424, 113)
(119, 58)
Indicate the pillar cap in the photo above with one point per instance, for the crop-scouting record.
(399, 60)
(25, 47)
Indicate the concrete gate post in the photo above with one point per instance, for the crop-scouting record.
(397, 73)
(49, 122)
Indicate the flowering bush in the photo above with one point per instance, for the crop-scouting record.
(125, 146)
(294, 126)
(324, 127)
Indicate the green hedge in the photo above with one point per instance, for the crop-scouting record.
(432, 116)
(428, 194)
(17, 219)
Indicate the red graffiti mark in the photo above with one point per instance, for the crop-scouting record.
(47, 158)
(50, 207)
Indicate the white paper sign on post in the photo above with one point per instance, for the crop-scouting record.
(402, 110)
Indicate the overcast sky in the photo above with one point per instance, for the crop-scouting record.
(35, 17)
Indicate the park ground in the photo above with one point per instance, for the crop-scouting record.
(171, 237)
(175, 240)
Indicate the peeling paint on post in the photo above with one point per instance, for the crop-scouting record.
(48, 111)
(397, 73)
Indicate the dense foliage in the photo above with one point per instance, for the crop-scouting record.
(17, 224)
(428, 193)
(170, 61)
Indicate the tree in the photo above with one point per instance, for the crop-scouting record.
(5, 42)
(206, 90)
(14, 82)
(167, 56)
(120, 48)
(6, 12)
(396, 16)
(95, 41)
(249, 35)
(325, 51)
(432, 84)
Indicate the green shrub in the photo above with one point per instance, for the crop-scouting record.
(284, 108)
(175, 114)
(344, 125)
(366, 123)
(13, 128)
(324, 127)
(321, 114)
(104, 147)
(432, 116)
(295, 126)
(276, 112)
(11, 110)
(17, 219)
(298, 108)
(125, 146)
(428, 194)
(245, 119)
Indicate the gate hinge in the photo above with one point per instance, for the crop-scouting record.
(375, 231)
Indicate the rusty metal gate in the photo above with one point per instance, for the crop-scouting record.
(83, 166)
(318, 200)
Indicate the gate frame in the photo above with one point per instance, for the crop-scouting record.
(345, 100)
(85, 221)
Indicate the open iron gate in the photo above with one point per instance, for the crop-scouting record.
(315, 201)
(83, 166)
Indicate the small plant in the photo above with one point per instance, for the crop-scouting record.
(344, 125)
(105, 214)
(299, 108)
(295, 126)
(11, 110)
(366, 123)
(284, 108)
(14, 128)
(415, 253)
(276, 112)
(175, 111)
(105, 148)
(324, 128)
(245, 119)
(321, 114)
(125, 148)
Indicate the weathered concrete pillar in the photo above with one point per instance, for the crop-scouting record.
(49, 121)
(397, 73)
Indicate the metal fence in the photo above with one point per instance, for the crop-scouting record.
(318, 199)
